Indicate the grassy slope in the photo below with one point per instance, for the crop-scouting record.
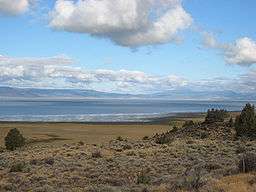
(121, 162)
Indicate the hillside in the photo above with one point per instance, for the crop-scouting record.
(196, 158)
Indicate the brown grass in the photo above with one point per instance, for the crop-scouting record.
(235, 183)
(82, 157)
(75, 132)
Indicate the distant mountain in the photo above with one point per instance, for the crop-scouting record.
(185, 94)
(204, 95)
(10, 92)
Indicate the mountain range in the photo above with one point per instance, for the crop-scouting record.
(186, 94)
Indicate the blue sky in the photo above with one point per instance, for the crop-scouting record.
(29, 34)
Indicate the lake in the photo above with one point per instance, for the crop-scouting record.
(104, 110)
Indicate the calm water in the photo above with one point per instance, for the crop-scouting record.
(104, 110)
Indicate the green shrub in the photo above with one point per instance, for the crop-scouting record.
(231, 122)
(163, 139)
(145, 190)
(96, 154)
(119, 138)
(14, 140)
(247, 163)
(245, 123)
(174, 129)
(127, 147)
(188, 123)
(192, 179)
(18, 167)
(216, 115)
(49, 161)
(81, 143)
(143, 178)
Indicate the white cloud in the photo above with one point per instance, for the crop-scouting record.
(56, 60)
(58, 72)
(209, 40)
(242, 52)
(14, 7)
(28, 71)
(130, 23)
(247, 81)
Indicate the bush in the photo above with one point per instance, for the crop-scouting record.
(127, 147)
(245, 123)
(163, 139)
(143, 178)
(96, 154)
(188, 123)
(174, 129)
(14, 140)
(119, 138)
(81, 143)
(192, 179)
(231, 122)
(49, 161)
(216, 115)
(18, 167)
(247, 163)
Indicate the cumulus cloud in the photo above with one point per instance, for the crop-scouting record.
(28, 70)
(241, 52)
(14, 7)
(209, 40)
(120, 80)
(59, 72)
(248, 81)
(130, 23)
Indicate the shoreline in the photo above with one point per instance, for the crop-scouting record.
(148, 121)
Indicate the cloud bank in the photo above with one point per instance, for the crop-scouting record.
(130, 23)
(14, 7)
(60, 72)
(241, 52)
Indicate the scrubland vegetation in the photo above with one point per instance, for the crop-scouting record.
(212, 155)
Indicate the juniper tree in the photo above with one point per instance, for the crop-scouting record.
(245, 123)
(215, 115)
(14, 140)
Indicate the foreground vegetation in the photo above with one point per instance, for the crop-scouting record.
(206, 156)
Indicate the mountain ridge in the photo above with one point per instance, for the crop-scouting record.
(186, 94)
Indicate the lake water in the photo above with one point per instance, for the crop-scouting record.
(103, 110)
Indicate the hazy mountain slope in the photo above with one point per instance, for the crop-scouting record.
(185, 94)
(32, 92)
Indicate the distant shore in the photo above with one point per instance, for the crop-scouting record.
(97, 132)
(164, 120)
(107, 111)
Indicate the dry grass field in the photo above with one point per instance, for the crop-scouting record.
(60, 133)
(77, 157)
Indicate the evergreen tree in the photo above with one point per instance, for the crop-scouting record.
(216, 115)
(245, 123)
(14, 139)
(231, 122)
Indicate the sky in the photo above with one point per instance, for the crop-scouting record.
(130, 46)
